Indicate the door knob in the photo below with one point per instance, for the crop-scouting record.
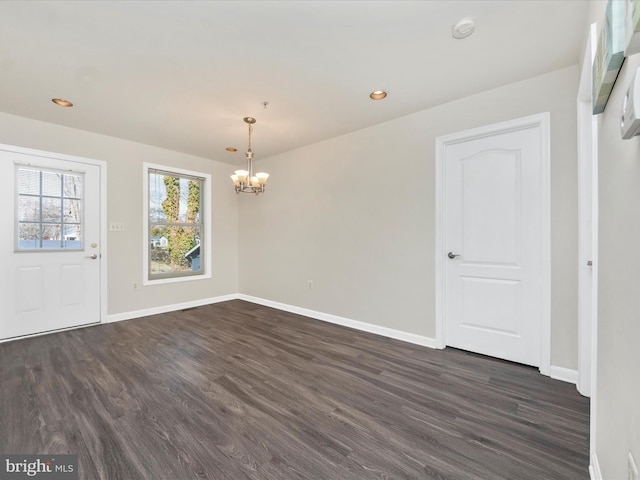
(92, 257)
(453, 255)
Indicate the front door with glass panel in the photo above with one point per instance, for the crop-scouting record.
(49, 248)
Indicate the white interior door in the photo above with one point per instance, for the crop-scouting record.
(494, 301)
(50, 246)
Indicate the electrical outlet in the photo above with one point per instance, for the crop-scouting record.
(310, 285)
(116, 227)
(633, 468)
(134, 287)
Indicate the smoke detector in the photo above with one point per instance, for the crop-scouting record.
(463, 28)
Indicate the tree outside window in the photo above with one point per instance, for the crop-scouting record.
(176, 229)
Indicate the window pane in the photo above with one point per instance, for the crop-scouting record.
(51, 210)
(47, 216)
(157, 214)
(175, 249)
(72, 236)
(174, 224)
(72, 186)
(189, 200)
(51, 236)
(29, 209)
(51, 183)
(157, 195)
(193, 203)
(29, 235)
(29, 181)
(173, 199)
(72, 213)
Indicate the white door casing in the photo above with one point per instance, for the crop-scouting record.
(588, 221)
(588, 245)
(55, 289)
(493, 211)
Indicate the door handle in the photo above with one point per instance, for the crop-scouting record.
(453, 255)
(92, 257)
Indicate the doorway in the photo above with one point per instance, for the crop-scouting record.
(492, 246)
(51, 248)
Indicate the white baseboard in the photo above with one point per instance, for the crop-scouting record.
(346, 322)
(325, 317)
(564, 374)
(594, 468)
(118, 317)
(558, 373)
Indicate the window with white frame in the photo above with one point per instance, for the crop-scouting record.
(176, 227)
(49, 209)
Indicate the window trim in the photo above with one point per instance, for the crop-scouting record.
(205, 215)
(16, 223)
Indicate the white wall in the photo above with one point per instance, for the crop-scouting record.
(356, 215)
(618, 369)
(617, 414)
(124, 192)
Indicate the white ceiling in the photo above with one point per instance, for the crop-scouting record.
(181, 75)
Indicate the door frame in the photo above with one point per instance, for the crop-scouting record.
(542, 122)
(587, 207)
(43, 157)
(588, 327)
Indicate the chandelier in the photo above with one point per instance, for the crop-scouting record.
(244, 180)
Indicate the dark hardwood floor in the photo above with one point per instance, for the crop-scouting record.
(240, 391)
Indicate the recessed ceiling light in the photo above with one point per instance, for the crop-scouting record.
(463, 28)
(378, 95)
(61, 102)
(231, 149)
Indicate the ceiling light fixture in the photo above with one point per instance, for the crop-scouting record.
(61, 102)
(244, 180)
(378, 95)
